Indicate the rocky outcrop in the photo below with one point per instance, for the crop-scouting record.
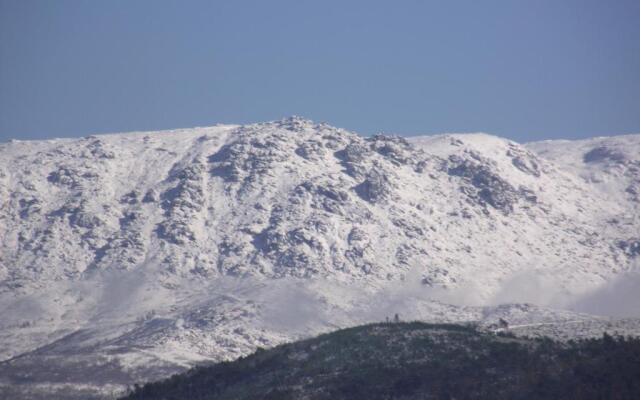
(484, 187)
(603, 154)
(375, 188)
(298, 198)
(181, 203)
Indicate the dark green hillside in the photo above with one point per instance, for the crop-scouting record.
(417, 361)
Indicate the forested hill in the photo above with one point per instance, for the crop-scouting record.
(417, 361)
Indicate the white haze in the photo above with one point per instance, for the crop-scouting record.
(297, 306)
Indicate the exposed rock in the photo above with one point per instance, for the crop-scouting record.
(488, 187)
(375, 188)
(353, 157)
(64, 176)
(394, 148)
(29, 207)
(631, 247)
(98, 149)
(311, 150)
(523, 160)
(130, 198)
(603, 154)
(357, 235)
(151, 196)
(181, 203)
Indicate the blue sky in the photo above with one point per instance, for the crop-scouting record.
(526, 70)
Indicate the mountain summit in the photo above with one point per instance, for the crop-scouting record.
(171, 248)
(257, 200)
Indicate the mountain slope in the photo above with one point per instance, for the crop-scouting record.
(142, 254)
(611, 168)
(293, 198)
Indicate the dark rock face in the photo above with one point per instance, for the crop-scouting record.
(353, 157)
(81, 218)
(226, 164)
(180, 203)
(293, 123)
(394, 148)
(328, 197)
(484, 186)
(253, 157)
(375, 188)
(98, 149)
(151, 196)
(130, 198)
(65, 177)
(523, 160)
(603, 154)
(311, 150)
(29, 207)
(633, 191)
(631, 247)
(528, 194)
(296, 252)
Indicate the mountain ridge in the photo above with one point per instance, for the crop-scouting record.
(202, 244)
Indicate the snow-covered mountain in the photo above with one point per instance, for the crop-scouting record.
(127, 257)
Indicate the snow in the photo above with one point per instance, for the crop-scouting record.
(166, 249)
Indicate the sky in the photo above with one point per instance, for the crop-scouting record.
(525, 70)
